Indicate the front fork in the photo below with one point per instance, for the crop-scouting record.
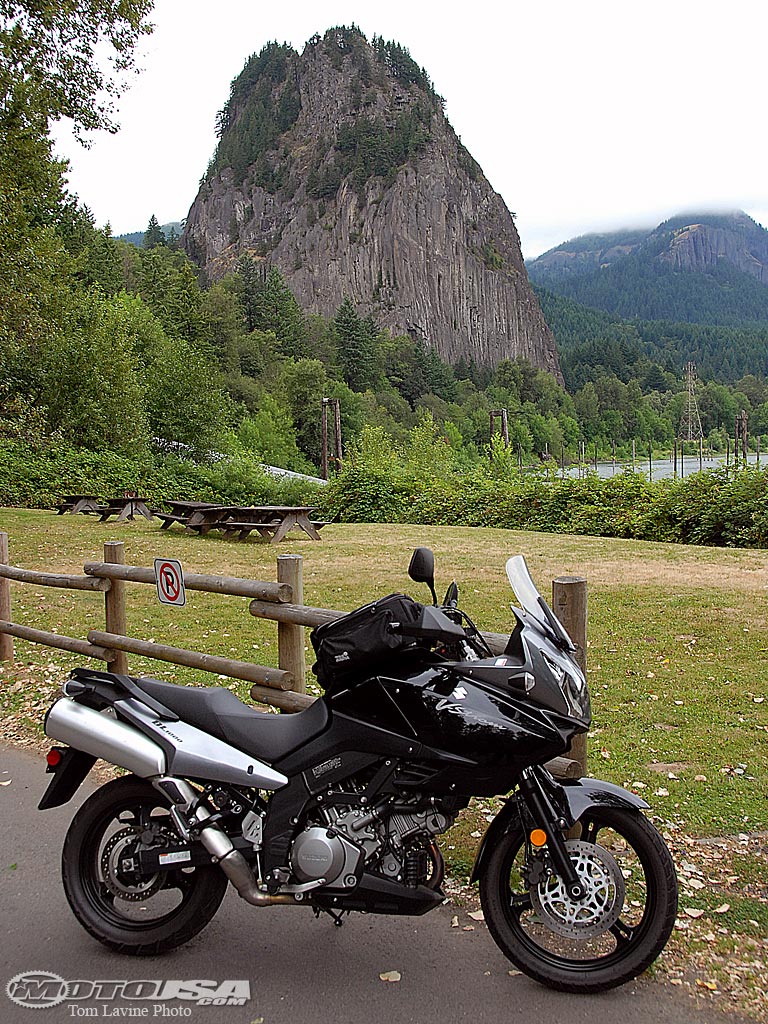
(554, 822)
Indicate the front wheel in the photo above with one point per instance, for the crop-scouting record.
(130, 912)
(597, 943)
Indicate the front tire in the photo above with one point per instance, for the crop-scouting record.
(139, 915)
(603, 941)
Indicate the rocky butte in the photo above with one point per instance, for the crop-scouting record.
(339, 166)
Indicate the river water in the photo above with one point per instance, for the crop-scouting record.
(660, 468)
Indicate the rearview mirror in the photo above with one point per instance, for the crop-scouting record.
(422, 569)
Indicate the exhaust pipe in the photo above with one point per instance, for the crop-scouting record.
(218, 844)
(103, 736)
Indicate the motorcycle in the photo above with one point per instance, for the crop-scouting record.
(337, 808)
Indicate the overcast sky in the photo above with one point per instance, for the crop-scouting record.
(585, 116)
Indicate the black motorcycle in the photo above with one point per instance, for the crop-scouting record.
(338, 808)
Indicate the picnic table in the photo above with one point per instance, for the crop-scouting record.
(124, 508)
(78, 503)
(238, 521)
(181, 511)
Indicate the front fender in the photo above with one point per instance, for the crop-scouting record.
(583, 793)
(578, 794)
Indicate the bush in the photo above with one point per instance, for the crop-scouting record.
(40, 476)
(419, 483)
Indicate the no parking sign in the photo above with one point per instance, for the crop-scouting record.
(169, 577)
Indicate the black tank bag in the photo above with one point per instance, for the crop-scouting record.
(362, 640)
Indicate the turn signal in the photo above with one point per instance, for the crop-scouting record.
(538, 837)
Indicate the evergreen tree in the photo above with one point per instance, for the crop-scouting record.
(154, 235)
(270, 305)
(357, 347)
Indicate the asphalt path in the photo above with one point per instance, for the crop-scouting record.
(300, 970)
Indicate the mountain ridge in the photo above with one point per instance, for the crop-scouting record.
(701, 268)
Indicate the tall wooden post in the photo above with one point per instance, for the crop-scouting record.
(650, 462)
(324, 427)
(745, 436)
(6, 641)
(501, 414)
(290, 637)
(569, 600)
(114, 605)
(337, 433)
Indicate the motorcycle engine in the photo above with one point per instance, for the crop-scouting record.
(349, 840)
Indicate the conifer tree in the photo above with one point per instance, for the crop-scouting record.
(357, 347)
(154, 235)
(270, 305)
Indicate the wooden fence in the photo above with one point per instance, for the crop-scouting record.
(282, 601)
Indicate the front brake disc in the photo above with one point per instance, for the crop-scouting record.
(601, 876)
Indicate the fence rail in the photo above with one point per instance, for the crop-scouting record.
(282, 602)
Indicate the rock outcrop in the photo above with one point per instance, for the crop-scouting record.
(701, 246)
(339, 166)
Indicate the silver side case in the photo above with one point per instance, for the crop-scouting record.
(196, 754)
(103, 736)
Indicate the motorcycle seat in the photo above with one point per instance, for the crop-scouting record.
(217, 711)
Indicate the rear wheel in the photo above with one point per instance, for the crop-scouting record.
(135, 913)
(604, 940)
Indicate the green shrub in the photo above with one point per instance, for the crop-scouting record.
(39, 476)
(420, 483)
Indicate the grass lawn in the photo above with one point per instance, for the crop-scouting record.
(676, 661)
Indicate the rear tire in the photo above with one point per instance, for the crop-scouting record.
(138, 915)
(579, 954)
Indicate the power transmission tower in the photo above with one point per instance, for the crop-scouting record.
(690, 424)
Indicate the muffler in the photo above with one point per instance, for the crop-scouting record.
(102, 736)
(217, 843)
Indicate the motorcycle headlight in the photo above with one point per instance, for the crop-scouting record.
(572, 687)
(557, 670)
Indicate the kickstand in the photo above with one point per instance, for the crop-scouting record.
(337, 915)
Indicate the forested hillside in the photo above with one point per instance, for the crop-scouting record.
(591, 339)
(698, 268)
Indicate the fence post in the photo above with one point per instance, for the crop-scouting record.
(290, 637)
(114, 605)
(569, 600)
(6, 641)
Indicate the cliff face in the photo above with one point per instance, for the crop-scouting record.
(702, 246)
(361, 189)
